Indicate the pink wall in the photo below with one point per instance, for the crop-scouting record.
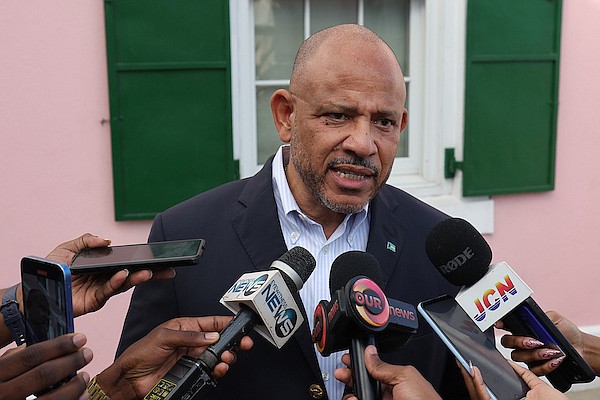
(552, 238)
(55, 160)
(56, 173)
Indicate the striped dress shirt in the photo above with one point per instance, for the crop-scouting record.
(299, 230)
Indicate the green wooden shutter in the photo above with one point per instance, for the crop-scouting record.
(511, 96)
(170, 101)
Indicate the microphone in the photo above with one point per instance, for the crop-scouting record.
(359, 314)
(262, 300)
(491, 293)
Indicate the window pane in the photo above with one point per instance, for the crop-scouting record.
(389, 19)
(267, 136)
(332, 12)
(279, 31)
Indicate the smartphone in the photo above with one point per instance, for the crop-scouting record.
(47, 301)
(138, 256)
(469, 344)
(528, 319)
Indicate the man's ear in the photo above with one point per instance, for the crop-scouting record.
(282, 108)
(404, 121)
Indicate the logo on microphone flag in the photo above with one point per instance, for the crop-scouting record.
(493, 296)
(268, 295)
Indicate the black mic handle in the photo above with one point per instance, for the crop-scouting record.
(365, 387)
(240, 326)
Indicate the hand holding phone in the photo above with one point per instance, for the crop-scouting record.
(47, 302)
(470, 345)
(134, 257)
(19, 378)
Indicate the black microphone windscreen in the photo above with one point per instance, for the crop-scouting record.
(352, 264)
(458, 251)
(296, 265)
(300, 260)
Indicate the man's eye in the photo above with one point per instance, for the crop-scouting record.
(338, 116)
(386, 123)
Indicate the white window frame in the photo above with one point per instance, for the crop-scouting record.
(436, 116)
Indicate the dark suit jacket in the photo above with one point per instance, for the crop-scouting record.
(239, 222)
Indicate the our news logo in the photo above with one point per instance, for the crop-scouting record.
(370, 302)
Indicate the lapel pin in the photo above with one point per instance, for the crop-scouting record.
(391, 246)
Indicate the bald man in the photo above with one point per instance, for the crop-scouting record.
(325, 190)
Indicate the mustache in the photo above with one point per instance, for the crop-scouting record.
(355, 161)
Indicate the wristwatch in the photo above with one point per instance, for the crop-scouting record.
(12, 315)
(95, 391)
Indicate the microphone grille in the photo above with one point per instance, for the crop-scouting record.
(300, 260)
(352, 264)
(458, 251)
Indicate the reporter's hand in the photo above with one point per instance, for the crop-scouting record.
(144, 363)
(539, 390)
(29, 369)
(541, 359)
(92, 291)
(398, 381)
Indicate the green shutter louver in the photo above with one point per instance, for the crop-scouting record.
(511, 96)
(170, 101)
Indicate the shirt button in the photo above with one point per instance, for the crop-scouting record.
(325, 249)
(316, 391)
(325, 376)
(294, 235)
(349, 239)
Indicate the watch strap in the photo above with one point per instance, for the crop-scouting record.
(95, 391)
(12, 315)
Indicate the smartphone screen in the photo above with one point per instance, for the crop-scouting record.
(47, 302)
(468, 343)
(138, 256)
(48, 308)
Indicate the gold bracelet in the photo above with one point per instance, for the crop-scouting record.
(95, 391)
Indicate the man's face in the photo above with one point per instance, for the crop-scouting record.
(345, 128)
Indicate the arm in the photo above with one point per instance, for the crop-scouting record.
(27, 370)
(135, 372)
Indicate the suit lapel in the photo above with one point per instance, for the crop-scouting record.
(385, 241)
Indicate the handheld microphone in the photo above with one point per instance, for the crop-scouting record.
(264, 301)
(495, 292)
(359, 314)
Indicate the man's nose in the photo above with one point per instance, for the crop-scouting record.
(360, 139)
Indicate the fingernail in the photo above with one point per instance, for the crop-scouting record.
(173, 272)
(555, 363)
(471, 370)
(87, 354)
(211, 335)
(86, 377)
(79, 339)
(549, 353)
(533, 343)
(371, 350)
